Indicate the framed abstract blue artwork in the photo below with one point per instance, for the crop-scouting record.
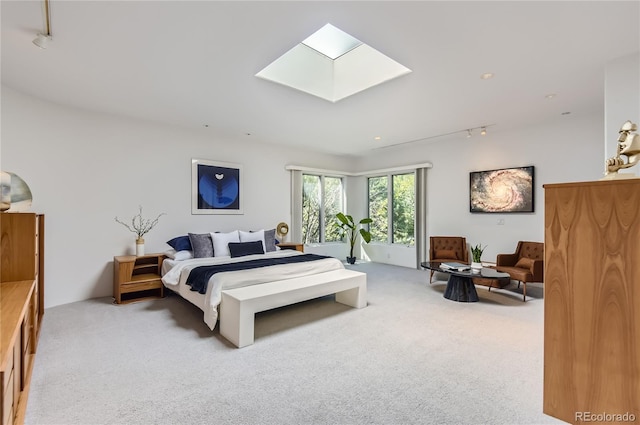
(216, 187)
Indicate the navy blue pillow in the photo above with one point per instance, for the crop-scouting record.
(240, 249)
(180, 243)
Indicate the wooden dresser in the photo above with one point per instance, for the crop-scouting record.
(592, 301)
(21, 308)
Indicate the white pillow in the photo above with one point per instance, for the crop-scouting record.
(183, 255)
(221, 243)
(258, 235)
(178, 255)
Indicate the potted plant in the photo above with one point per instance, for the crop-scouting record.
(347, 226)
(476, 253)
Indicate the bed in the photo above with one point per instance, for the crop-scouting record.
(175, 275)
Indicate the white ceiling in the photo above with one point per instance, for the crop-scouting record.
(194, 63)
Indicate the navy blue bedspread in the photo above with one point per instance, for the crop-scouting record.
(198, 278)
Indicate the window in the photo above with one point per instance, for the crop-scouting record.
(404, 209)
(332, 206)
(322, 199)
(378, 208)
(310, 208)
(395, 225)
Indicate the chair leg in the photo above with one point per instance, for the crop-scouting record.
(524, 292)
(431, 277)
(518, 284)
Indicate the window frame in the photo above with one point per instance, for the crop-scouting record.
(390, 205)
(322, 206)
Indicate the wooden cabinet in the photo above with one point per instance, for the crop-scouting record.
(592, 300)
(137, 278)
(18, 340)
(22, 251)
(21, 308)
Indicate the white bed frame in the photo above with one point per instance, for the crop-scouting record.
(238, 306)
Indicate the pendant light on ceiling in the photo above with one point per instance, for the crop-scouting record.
(43, 38)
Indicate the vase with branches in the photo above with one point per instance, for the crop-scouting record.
(140, 226)
(347, 226)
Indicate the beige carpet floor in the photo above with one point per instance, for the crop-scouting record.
(409, 357)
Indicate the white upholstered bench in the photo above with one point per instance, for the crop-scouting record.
(239, 306)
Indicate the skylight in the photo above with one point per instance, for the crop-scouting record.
(331, 41)
(332, 65)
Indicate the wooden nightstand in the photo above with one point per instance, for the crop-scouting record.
(137, 278)
(291, 245)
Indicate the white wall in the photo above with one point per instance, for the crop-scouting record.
(567, 149)
(85, 168)
(396, 254)
(622, 100)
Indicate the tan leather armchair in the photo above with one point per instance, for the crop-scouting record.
(448, 248)
(524, 265)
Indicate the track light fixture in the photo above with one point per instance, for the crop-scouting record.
(483, 130)
(467, 131)
(43, 38)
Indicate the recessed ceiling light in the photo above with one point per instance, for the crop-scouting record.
(486, 75)
(377, 138)
(550, 96)
(565, 113)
